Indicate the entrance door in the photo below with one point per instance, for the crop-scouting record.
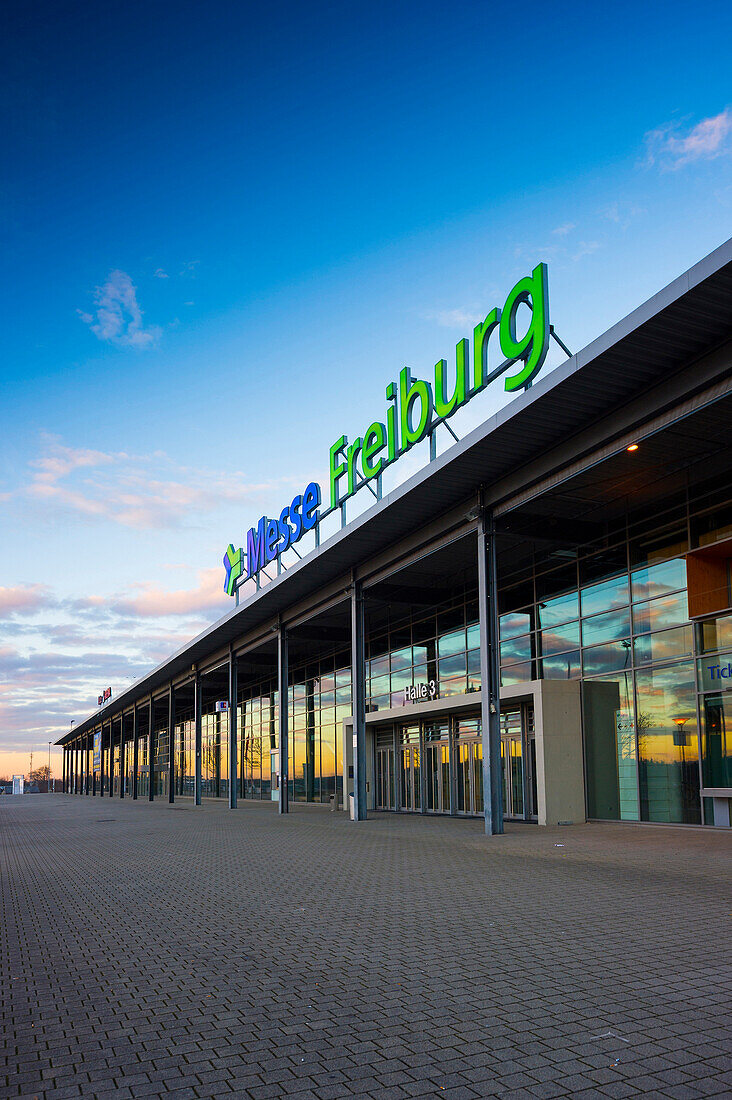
(410, 794)
(468, 756)
(437, 767)
(385, 785)
(518, 762)
(512, 769)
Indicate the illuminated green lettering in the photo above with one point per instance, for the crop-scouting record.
(410, 391)
(373, 442)
(533, 346)
(337, 469)
(444, 405)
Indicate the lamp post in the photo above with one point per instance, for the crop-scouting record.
(680, 740)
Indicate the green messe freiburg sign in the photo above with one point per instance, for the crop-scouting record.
(415, 406)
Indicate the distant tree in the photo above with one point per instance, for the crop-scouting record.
(37, 774)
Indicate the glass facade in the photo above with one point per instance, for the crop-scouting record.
(185, 752)
(439, 647)
(610, 613)
(614, 615)
(714, 672)
(320, 700)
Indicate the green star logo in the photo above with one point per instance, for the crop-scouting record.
(234, 568)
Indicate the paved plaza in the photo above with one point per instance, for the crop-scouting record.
(150, 950)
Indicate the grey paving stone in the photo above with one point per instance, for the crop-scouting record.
(200, 952)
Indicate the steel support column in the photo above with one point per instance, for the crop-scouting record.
(284, 715)
(101, 760)
(150, 768)
(358, 696)
(122, 757)
(63, 772)
(87, 759)
(94, 774)
(171, 743)
(490, 708)
(197, 712)
(135, 753)
(233, 754)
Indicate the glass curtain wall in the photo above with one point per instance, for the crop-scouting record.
(258, 719)
(615, 615)
(438, 648)
(143, 765)
(214, 754)
(714, 670)
(160, 755)
(319, 701)
(185, 753)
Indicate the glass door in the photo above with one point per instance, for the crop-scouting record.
(468, 757)
(437, 767)
(116, 770)
(512, 763)
(512, 769)
(410, 791)
(518, 762)
(385, 770)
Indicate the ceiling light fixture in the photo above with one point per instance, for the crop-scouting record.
(632, 447)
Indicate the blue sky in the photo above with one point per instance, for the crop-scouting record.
(225, 227)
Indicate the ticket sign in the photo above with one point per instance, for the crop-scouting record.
(715, 673)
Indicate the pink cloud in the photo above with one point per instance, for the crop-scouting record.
(128, 489)
(150, 602)
(25, 598)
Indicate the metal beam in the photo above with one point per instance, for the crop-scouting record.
(283, 740)
(135, 754)
(122, 756)
(233, 755)
(358, 696)
(490, 716)
(150, 769)
(197, 714)
(171, 743)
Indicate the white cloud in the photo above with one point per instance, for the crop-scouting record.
(563, 230)
(586, 248)
(62, 461)
(670, 147)
(456, 318)
(160, 274)
(118, 318)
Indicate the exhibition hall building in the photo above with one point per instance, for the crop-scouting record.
(536, 626)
